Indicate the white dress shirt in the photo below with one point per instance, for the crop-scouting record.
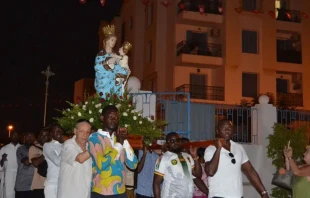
(74, 178)
(52, 154)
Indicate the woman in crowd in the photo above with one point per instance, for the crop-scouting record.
(301, 186)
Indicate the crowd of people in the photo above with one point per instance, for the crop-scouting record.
(103, 164)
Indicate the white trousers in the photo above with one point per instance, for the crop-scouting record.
(50, 191)
(9, 184)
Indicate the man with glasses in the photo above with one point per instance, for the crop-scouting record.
(177, 169)
(225, 164)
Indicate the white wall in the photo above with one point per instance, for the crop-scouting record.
(256, 154)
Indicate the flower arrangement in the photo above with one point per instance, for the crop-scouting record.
(91, 110)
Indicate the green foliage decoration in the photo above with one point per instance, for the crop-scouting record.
(91, 110)
(277, 141)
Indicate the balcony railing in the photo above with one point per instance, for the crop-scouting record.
(289, 15)
(211, 7)
(289, 56)
(289, 100)
(202, 49)
(203, 92)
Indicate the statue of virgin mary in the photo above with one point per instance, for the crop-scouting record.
(107, 66)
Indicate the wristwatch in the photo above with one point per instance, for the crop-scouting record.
(264, 192)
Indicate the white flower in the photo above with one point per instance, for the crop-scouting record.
(129, 105)
(86, 103)
(76, 105)
(93, 102)
(118, 106)
(98, 105)
(140, 122)
(79, 114)
(91, 120)
(126, 125)
(134, 117)
(90, 112)
(149, 119)
(72, 117)
(110, 104)
(132, 111)
(68, 109)
(125, 114)
(84, 107)
(100, 111)
(139, 114)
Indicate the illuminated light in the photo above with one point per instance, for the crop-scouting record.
(201, 9)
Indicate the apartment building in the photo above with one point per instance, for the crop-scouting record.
(220, 51)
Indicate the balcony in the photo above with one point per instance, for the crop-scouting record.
(203, 92)
(289, 15)
(190, 11)
(289, 56)
(289, 99)
(202, 54)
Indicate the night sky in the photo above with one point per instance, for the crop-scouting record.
(60, 33)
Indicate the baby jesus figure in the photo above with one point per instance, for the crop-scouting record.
(123, 61)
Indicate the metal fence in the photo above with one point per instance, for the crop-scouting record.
(202, 49)
(204, 118)
(197, 121)
(174, 108)
(203, 92)
(293, 119)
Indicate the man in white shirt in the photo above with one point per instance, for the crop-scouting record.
(52, 154)
(9, 165)
(225, 164)
(75, 167)
(177, 169)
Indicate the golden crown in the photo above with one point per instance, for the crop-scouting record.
(127, 46)
(108, 30)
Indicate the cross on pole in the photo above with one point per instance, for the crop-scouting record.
(47, 73)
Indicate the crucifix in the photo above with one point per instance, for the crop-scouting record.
(47, 73)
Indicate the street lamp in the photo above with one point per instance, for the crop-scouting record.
(10, 127)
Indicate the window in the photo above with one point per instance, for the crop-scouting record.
(198, 83)
(249, 5)
(284, 44)
(149, 52)
(249, 42)
(123, 32)
(282, 85)
(249, 85)
(150, 15)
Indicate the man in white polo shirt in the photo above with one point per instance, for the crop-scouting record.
(225, 164)
(75, 167)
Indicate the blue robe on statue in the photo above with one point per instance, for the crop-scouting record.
(106, 75)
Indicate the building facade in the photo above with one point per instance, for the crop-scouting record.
(220, 51)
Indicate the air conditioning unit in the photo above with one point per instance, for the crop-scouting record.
(215, 32)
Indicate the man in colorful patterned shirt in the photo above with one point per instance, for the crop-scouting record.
(109, 151)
